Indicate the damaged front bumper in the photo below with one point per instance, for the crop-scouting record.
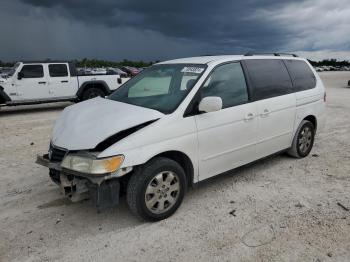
(103, 190)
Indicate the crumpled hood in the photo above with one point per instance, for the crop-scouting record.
(86, 124)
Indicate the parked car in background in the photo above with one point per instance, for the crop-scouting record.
(141, 69)
(43, 82)
(117, 71)
(131, 71)
(111, 71)
(183, 121)
(99, 71)
(4, 71)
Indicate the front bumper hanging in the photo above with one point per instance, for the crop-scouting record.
(77, 186)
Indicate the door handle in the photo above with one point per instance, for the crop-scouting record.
(249, 116)
(265, 113)
(40, 83)
(64, 81)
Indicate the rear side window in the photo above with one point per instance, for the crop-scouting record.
(58, 70)
(269, 78)
(228, 82)
(302, 76)
(32, 71)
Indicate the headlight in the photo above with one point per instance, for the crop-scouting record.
(92, 166)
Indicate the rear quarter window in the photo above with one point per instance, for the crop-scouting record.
(58, 70)
(268, 77)
(302, 76)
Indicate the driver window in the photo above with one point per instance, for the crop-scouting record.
(228, 82)
(32, 71)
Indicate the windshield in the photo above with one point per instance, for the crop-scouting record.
(160, 87)
(13, 70)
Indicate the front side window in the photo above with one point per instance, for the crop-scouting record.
(302, 76)
(32, 71)
(228, 82)
(58, 70)
(269, 78)
(160, 87)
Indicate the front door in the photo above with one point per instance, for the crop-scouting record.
(31, 83)
(226, 138)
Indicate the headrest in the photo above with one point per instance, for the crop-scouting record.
(190, 83)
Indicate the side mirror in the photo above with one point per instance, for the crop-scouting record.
(210, 104)
(119, 80)
(19, 75)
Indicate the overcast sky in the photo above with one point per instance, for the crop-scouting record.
(163, 29)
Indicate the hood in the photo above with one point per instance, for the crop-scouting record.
(86, 124)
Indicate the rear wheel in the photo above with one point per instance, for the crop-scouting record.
(156, 190)
(303, 140)
(93, 92)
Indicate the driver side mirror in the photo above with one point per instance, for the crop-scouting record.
(210, 104)
(20, 75)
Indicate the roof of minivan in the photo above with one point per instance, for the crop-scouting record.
(223, 58)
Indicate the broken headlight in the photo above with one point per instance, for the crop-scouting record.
(92, 166)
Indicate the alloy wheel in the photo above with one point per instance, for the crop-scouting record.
(305, 139)
(162, 192)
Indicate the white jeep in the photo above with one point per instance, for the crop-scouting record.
(44, 82)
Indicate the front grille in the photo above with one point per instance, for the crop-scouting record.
(56, 154)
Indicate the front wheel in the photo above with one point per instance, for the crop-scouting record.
(156, 190)
(93, 92)
(303, 140)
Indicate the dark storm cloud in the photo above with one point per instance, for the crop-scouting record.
(136, 29)
(218, 22)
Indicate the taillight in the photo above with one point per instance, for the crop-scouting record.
(325, 97)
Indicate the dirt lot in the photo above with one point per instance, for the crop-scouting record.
(279, 209)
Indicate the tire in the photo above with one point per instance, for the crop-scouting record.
(156, 189)
(92, 92)
(303, 140)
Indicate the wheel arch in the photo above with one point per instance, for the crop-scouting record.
(3, 96)
(312, 119)
(93, 84)
(183, 160)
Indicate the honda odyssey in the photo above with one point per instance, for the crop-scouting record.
(180, 122)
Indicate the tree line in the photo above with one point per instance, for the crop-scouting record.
(330, 62)
(97, 63)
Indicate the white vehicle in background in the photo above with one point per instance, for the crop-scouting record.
(50, 81)
(180, 122)
(99, 71)
(120, 72)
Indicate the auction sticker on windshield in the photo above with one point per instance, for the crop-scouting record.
(192, 69)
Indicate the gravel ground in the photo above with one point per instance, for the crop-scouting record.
(279, 209)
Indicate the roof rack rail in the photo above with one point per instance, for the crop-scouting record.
(274, 54)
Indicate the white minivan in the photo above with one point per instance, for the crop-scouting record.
(180, 122)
